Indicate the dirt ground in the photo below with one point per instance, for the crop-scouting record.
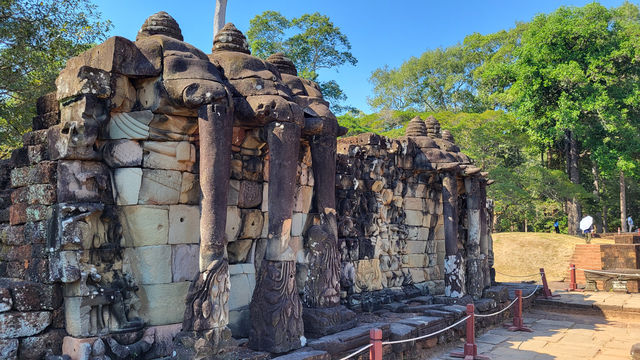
(521, 255)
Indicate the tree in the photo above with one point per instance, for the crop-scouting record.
(572, 78)
(439, 80)
(314, 43)
(36, 38)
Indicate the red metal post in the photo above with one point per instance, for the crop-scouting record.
(518, 321)
(546, 292)
(573, 284)
(375, 351)
(470, 347)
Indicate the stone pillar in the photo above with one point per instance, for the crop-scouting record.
(207, 301)
(475, 259)
(484, 231)
(276, 310)
(454, 273)
(322, 288)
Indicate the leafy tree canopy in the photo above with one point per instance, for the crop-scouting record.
(36, 39)
(311, 41)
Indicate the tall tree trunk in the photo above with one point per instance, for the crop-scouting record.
(599, 189)
(219, 16)
(574, 210)
(525, 224)
(623, 204)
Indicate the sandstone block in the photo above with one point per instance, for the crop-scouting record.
(35, 137)
(77, 318)
(150, 264)
(439, 232)
(239, 251)
(37, 153)
(64, 266)
(418, 275)
(252, 223)
(234, 223)
(190, 189)
(298, 222)
(83, 80)
(144, 225)
(249, 194)
(184, 224)
(417, 260)
(368, 276)
(131, 125)
(122, 153)
(302, 199)
(22, 324)
(413, 217)
(84, 181)
(160, 187)
(412, 203)
(242, 285)
(416, 247)
(127, 182)
(14, 235)
(77, 348)
(234, 190)
(184, 264)
(124, 94)
(22, 213)
(171, 127)
(169, 155)
(265, 197)
(163, 304)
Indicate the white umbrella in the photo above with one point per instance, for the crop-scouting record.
(586, 223)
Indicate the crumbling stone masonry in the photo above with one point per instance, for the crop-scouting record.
(167, 200)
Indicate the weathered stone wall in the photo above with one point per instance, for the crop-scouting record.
(32, 318)
(391, 223)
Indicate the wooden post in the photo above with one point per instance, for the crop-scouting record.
(546, 292)
(573, 284)
(518, 321)
(375, 338)
(470, 348)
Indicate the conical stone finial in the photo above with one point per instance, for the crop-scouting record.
(416, 127)
(433, 127)
(229, 38)
(283, 64)
(446, 135)
(160, 23)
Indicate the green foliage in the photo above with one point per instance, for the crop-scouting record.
(311, 41)
(439, 80)
(36, 38)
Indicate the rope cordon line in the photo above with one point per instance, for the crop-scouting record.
(357, 352)
(428, 335)
(606, 272)
(518, 276)
(533, 292)
(496, 313)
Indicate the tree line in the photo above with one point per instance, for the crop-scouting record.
(549, 107)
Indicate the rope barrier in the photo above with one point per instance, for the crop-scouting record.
(606, 272)
(496, 313)
(428, 335)
(533, 292)
(519, 276)
(356, 352)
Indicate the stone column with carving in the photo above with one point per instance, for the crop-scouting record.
(454, 267)
(276, 310)
(475, 259)
(207, 301)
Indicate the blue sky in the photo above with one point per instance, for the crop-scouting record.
(382, 32)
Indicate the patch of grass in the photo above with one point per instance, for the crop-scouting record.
(519, 253)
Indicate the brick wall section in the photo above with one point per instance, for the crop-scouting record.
(586, 256)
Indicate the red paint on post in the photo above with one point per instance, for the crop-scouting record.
(470, 347)
(375, 351)
(518, 321)
(573, 284)
(546, 292)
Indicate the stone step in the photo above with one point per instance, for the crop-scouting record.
(348, 340)
(305, 354)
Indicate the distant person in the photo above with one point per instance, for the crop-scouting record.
(587, 234)
(556, 226)
(630, 223)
